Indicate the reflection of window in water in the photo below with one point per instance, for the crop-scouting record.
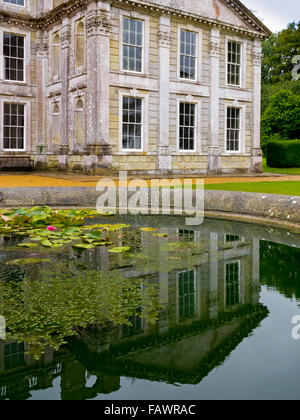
(187, 295)
(233, 283)
(232, 238)
(135, 328)
(186, 235)
(14, 355)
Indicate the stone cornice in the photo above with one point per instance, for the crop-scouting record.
(70, 6)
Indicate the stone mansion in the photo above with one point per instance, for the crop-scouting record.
(147, 86)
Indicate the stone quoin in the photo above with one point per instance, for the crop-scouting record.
(146, 86)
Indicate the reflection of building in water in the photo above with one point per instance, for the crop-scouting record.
(205, 312)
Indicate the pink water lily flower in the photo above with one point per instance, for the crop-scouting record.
(51, 228)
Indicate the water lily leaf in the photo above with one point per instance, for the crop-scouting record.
(28, 245)
(25, 261)
(83, 246)
(119, 250)
(46, 243)
(96, 235)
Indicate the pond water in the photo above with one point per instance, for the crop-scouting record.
(183, 312)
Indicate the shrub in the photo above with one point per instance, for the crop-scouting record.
(268, 139)
(282, 116)
(283, 154)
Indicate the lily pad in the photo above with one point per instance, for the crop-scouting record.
(25, 261)
(27, 245)
(119, 250)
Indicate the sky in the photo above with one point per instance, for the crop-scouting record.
(275, 14)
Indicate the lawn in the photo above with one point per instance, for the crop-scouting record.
(287, 171)
(277, 187)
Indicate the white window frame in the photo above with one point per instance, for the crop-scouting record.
(242, 139)
(198, 70)
(145, 120)
(15, 5)
(177, 294)
(241, 298)
(27, 109)
(146, 41)
(27, 46)
(197, 142)
(243, 66)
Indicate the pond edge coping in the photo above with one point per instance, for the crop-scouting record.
(256, 208)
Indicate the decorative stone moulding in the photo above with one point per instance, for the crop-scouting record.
(164, 151)
(42, 49)
(64, 149)
(98, 149)
(71, 6)
(164, 38)
(98, 25)
(65, 38)
(257, 58)
(215, 49)
(41, 149)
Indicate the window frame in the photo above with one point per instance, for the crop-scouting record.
(146, 41)
(145, 120)
(241, 300)
(14, 4)
(180, 54)
(141, 124)
(242, 130)
(199, 49)
(197, 141)
(243, 67)
(24, 128)
(27, 47)
(195, 296)
(16, 58)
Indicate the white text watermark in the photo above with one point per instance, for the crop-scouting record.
(153, 196)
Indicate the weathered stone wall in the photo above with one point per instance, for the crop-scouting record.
(74, 86)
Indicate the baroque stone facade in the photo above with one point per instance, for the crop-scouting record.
(148, 86)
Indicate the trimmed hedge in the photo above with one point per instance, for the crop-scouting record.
(283, 154)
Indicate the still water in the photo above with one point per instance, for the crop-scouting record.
(187, 313)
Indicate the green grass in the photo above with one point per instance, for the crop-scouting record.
(286, 171)
(277, 187)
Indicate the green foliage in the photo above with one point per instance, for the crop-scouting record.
(280, 120)
(44, 312)
(283, 154)
(270, 89)
(278, 52)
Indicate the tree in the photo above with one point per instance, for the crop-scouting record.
(281, 117)
(279, 51)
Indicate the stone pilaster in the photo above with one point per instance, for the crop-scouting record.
(65, 64)
(42, 52)
(98, 57)
(256, 164)
(164, 158)
(255, 289)
(213, 148)
(213, 275)
(40, 146)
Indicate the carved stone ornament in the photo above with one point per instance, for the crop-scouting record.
(214, 48)
(65, 38)
(42, 49)
(164, 38)
(98, 25)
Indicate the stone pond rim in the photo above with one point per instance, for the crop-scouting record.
(239, 206)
